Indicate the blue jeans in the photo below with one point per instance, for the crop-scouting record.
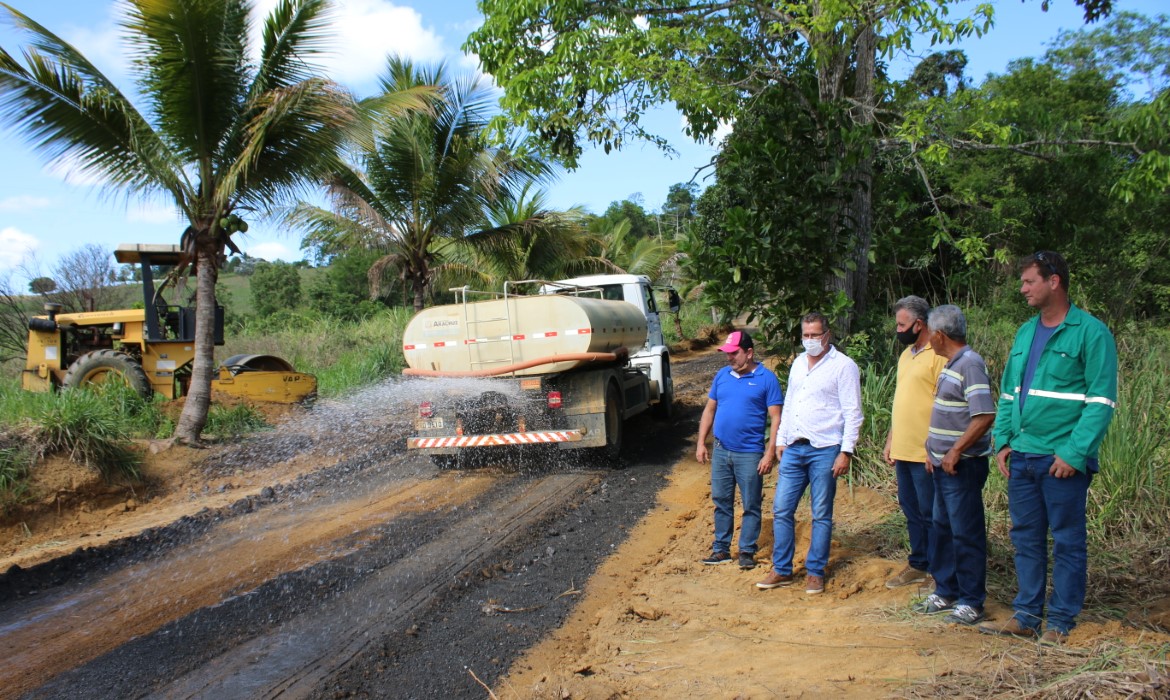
(1038, 502)
(959, 557)
(916, 496)
(804, 466)
(728, 470)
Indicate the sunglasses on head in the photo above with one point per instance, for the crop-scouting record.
(1046, 261)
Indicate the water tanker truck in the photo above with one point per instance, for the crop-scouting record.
(564, 367)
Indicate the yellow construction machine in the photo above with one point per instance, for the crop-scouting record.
(149, 349)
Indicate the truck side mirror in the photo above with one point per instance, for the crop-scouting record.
(675, 303)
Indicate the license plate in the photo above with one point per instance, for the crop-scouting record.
(429, 423)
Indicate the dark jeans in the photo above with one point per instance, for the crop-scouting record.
(728, 470)
(916, 496)
(1039, 502)
(959, 558)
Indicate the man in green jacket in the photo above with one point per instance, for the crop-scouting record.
(1057, 397)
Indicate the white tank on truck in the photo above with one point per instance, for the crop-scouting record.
(484, 336)
(567, 366)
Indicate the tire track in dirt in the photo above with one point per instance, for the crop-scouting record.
(291, 661)
(71, 626)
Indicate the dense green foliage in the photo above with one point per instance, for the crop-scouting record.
(275, 286)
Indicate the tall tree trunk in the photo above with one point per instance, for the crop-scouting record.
(198, 400)
(852, 217)
(420, 289)
(860, 206)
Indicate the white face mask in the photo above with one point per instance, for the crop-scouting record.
(813, 346)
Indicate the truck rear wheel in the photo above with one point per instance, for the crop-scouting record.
(446, 461)
(664, 409)
(105, 366)
(609, 455)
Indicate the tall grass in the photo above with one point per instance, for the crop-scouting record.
(89, 427)
(343, 355)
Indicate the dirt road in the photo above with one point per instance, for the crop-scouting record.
(368, 558)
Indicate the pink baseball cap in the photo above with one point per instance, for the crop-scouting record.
(736, 341)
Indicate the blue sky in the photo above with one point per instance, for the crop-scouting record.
(46, 212)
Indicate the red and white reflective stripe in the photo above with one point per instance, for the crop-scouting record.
(518, 336)
(499, 439)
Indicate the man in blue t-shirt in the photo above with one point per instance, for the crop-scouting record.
(744, 396)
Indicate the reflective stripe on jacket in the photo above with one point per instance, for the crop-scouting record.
(1073, 392)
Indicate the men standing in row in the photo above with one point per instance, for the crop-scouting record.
(815, 443)
(744, 396)
(1058, 394)
(958, 448)
(918, 369)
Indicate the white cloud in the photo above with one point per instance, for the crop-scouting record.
(152, 214)
(723, 131)
(716, 140)
(15, 246)
(102, 44)
(272, 250)
(364, 32)
(23, 202)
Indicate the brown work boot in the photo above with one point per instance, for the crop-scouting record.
(814, 584)
(1053, 637)
(774, 580)
(907, 576)
(1010, 628)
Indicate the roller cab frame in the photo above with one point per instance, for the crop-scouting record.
(150, 349)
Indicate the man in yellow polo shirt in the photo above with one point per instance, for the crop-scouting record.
(918, 370)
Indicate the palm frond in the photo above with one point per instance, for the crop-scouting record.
(193, 64)
(292, 141)
(293, 33)
(74, 112)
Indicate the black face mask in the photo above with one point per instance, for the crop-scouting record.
(908, 336)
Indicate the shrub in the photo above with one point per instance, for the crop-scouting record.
(91, 429)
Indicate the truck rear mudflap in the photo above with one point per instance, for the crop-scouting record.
(539, 437)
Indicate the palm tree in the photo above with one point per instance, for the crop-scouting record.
(221, 133)
(420, 181)
(624, 253)
(523, 239)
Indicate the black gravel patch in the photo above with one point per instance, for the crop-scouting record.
(101, 557)
(465, 629)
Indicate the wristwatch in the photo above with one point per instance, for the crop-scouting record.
(846, 452)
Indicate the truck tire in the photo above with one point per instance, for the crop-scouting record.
(664, 409)
(609, 455)
(102, 366)
(446, 461)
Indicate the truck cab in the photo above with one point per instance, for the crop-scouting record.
(653, 358)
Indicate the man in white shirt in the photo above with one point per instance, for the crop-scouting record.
(815, 441)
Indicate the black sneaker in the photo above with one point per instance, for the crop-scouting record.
(747, 561)
(717, 558)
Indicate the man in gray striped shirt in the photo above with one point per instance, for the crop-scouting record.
(958, 448)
